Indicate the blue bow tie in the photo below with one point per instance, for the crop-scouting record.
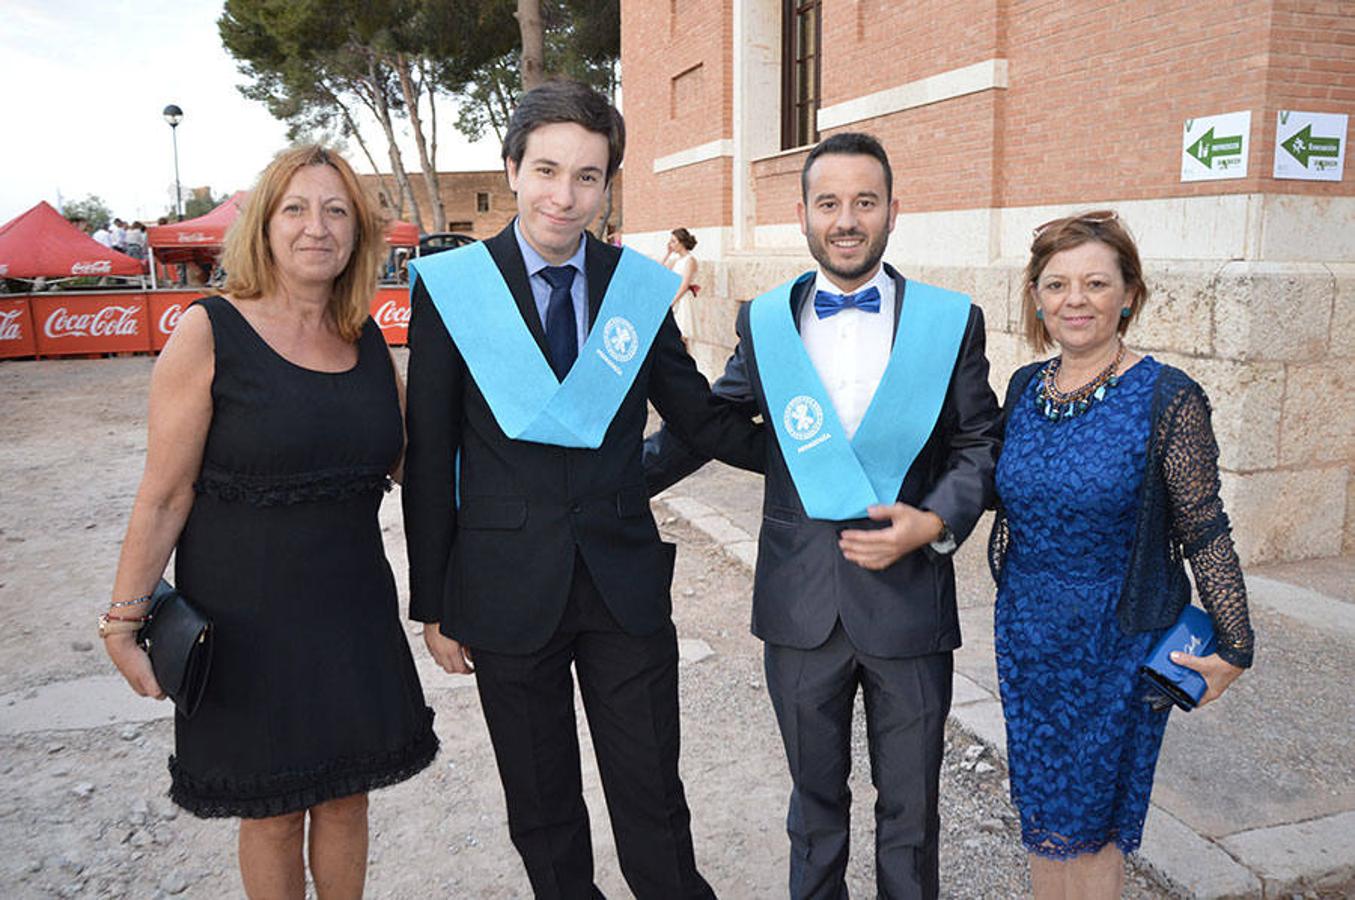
(829, 304)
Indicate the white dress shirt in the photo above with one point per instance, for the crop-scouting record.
(850, 350)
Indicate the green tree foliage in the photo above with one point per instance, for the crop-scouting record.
(92, 209)
(582, 40)
(316, 63)
(200, 203)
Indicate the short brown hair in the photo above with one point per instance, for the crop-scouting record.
(1103, 225)
(248, 259)
(565, 100)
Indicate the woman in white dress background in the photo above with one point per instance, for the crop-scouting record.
(680, 259)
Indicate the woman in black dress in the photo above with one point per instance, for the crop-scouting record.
(275, 426)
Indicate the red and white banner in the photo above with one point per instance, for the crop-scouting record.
(16, 330)
(390, 309)
(166, 308)
(71, 325)
(78, 324)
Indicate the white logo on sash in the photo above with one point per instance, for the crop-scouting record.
(621, 339)
(803, 417)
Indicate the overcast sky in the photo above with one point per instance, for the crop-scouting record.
(84, 87)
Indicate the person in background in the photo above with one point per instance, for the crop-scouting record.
(1108, 480)
(135, 241)
(275, 427)
(118, 236)
(679, 258)
(104, 235)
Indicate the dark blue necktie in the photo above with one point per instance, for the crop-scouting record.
(562, 331)
(829, 304)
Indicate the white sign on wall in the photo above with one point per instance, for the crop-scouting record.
(1215, 147)
(1310, 146)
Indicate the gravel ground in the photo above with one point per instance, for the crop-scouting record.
(83, 811)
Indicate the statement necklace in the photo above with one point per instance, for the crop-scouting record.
(1056, 404)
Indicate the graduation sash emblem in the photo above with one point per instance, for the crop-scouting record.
(528, 402)
(837, 478)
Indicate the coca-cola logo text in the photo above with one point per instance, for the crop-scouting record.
(110, 321)
(93, 267)
(392, 314)
(10, 329)
(196, 237)
(169, 319)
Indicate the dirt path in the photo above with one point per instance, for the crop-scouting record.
(82, 807)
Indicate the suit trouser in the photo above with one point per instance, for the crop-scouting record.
(907, 701)
(629, 689)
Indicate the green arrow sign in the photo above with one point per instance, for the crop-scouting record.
(1302, 146)
(1208, 148)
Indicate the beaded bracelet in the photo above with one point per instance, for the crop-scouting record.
(117, 603)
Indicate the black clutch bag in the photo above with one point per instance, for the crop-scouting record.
(178, 639)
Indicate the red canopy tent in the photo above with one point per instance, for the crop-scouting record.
(402, 234)
(42, 244)
(195, 239)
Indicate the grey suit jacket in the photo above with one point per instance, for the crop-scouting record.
(803, 586)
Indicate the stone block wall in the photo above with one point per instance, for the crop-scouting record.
(1272, 344)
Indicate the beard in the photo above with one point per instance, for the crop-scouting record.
(875, 251)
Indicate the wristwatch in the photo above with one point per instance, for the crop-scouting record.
(946, 543)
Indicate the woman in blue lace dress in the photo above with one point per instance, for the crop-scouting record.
(275, 426)
(1108, 479)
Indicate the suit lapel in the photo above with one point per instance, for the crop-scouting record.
(599, 263)
(900, 283)
(503, 248)
(799, 295)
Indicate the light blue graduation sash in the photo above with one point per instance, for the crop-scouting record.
(528, 402)
(836, 478)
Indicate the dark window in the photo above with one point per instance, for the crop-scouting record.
(482, 201)
(802, 32)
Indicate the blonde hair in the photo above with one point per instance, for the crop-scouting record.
(1103, 225)
(248, 259)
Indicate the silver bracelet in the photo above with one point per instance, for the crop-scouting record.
(118, 603)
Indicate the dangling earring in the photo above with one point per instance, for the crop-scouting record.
(1125, 312)
(1039, 313)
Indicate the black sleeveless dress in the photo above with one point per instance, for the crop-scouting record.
(313, 693)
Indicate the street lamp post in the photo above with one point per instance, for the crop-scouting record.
(173, 115)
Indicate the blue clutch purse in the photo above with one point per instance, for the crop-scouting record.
(1169, 683)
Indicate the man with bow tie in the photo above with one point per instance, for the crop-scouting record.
(876, 388)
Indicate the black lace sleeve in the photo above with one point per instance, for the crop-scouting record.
(1190, 467)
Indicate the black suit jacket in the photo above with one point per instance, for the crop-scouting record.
(495, 572)
(803, 585)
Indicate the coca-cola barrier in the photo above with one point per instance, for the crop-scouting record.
(121, 322)
(16, 329)
(74, 324)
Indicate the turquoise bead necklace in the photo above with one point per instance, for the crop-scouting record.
(1057, 405)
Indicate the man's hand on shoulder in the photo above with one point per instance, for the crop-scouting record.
(447, 653)
(876, 549)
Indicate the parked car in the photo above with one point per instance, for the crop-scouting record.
(443, 240)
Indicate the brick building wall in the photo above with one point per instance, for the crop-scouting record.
(1001, 114)
(682, 58)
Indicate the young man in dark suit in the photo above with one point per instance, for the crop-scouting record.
(886, 441)
(531, 543)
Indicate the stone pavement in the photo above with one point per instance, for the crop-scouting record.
(1255, 795)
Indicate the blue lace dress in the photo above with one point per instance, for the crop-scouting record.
(1081, 742)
